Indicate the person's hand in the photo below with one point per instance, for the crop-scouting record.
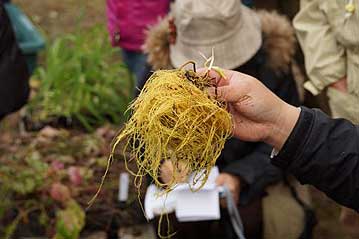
(258, 114)
(341, 85)
(349, 220)
(232, 182)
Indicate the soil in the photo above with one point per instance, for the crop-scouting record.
(55, 18)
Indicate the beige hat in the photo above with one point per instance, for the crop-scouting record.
(232, 29)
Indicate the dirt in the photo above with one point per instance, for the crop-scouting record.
(55, 18)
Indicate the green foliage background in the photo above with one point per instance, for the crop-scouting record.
(82, 79)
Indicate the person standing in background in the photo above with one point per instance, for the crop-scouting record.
(328, 34)
(14, 75)
(127, 22)
(290, 9)
(260, 44)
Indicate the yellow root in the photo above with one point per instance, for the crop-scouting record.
(174, 119)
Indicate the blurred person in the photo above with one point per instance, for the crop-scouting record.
(290, 8)
(286, 7)
(306, 142)
(328, 34)
(14, 75)
(127, 22)
(260, 44)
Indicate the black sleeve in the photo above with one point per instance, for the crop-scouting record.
(324, 152)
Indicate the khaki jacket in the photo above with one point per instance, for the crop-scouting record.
(329, 37)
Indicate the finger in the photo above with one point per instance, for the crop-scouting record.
(223, 203)
(220, 181)
(233, 192)
(217, 79)
(236, 199)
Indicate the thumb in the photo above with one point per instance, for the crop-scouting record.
(217, 78)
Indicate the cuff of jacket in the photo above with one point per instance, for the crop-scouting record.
(293, 147)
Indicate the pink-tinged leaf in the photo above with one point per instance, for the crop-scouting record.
(57, 165)
(75, 175)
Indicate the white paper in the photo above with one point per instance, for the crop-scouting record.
(188, 205)
(197, 206)
(157, 203)
(123, 187)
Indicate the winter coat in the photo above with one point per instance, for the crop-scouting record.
(273, 65)
(128, 20)
(329, 37)
(14, 75)
(324, 152)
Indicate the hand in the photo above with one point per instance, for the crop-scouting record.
(349, 220)
(258, 114)
(341, 85)
(232, 182)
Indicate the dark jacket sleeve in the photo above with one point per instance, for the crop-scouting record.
(324, 152)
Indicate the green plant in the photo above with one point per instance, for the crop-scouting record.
(47, 179)
(82, 79)
(70, 221)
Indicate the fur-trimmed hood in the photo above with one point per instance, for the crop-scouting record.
(279, 44)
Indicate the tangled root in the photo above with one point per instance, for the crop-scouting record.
(174, 119)
(174, 122)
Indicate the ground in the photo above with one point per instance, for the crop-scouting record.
(58, 17)
(55, 18)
